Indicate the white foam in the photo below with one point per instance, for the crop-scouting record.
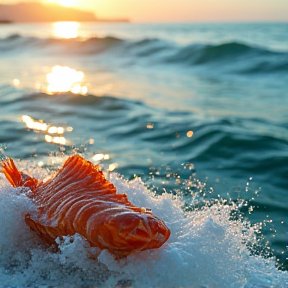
(206, 249)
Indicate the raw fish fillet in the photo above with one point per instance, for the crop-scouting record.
(78, 199)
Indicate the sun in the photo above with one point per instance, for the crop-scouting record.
(67, 3)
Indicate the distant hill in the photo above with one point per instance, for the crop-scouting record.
(37, 12)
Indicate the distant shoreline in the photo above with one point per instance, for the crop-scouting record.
(36, 12)
(94, 21)
(5, 22)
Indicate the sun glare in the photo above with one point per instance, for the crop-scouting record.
(67, 3)
(66, 30)
(63, 79)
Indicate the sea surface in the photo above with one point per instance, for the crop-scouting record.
(190, 120)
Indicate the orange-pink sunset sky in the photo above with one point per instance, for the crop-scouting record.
(180, 10)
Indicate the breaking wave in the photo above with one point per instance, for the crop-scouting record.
(207, 248)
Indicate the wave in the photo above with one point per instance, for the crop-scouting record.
(206, 241)
(231, 53)
(227, 141)
(232, 146)
(231, 56)
(201, 54)
(256, 144)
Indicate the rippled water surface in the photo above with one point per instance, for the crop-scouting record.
(198, 111)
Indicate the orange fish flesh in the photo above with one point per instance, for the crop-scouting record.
(78, 199)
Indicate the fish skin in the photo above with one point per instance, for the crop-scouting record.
(78, 199)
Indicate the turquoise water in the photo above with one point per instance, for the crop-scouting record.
(198, 111)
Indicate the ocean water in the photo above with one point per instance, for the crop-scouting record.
(190, 120)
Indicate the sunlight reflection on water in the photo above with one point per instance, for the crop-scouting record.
(53, 134)
(65, 79)
(57, 140)
(66, 29)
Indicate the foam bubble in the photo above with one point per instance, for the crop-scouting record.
(206, 249)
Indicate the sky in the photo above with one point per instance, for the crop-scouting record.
(181, 10)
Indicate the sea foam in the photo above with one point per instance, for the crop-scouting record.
(206, 248)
